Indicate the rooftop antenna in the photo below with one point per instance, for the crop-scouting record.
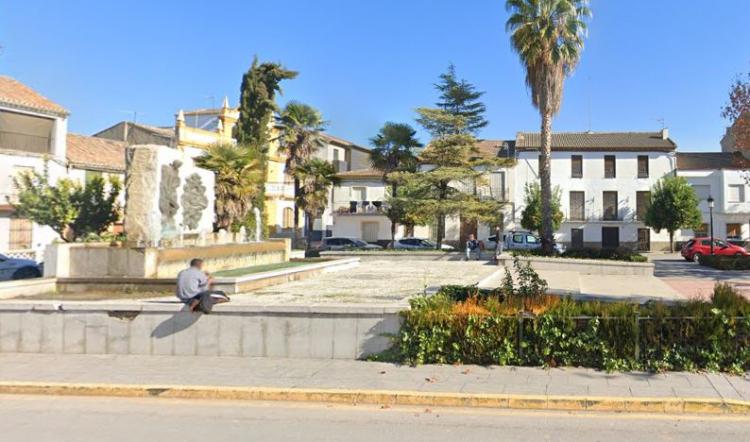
(133, 112)
(661, 121)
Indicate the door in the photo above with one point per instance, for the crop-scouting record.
(20, 234)
(370, 231)
(468, 227)
(644, 240)
(610, 237)
(576, 238)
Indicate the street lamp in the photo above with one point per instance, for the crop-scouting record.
(711, 220)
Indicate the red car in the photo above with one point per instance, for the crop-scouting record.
(696, 247)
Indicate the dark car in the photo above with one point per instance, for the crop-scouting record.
(697, 247)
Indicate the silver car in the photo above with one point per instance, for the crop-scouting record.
(343, 243)
(418, 244)
(17, 268)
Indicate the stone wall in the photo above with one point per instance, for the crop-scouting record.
(341, 332)
(583, 266)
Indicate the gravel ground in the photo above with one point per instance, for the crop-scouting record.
(381, 282)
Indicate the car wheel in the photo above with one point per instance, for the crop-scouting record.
(696, 257)
(26, 272)
(738, 254)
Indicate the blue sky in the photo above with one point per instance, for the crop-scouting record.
(365, 63)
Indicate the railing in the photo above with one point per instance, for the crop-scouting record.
(22, 254)
(362, 208)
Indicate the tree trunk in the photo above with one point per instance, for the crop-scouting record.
(308, 229)
(394, 189)
(671, 242)
(440, 231)
(296, 238)
(547, 232)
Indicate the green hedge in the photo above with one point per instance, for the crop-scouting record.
(619, 254)
(725, 262)
(468, 326)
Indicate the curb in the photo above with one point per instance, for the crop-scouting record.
(389, 397)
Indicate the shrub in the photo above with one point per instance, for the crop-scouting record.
(723, 262)
(489, 327)
(618, 254)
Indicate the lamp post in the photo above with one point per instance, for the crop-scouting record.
(711, 220)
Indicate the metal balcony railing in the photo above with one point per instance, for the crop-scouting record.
(362, 208)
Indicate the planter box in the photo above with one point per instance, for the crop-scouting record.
(582, 266)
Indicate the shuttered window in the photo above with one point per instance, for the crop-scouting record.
(642, 201)
(20, 234)
(610, 206)
(642, 166)
(577, 206)
(26, 133)
(610, 168)
(576, 166)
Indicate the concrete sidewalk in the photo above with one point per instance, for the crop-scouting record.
(370, 382)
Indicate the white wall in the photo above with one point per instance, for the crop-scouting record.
(626, 184)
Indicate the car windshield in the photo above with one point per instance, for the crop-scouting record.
(426, 243)
(720, 243)
(359, 242)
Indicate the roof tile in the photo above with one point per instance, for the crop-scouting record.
(15, 93)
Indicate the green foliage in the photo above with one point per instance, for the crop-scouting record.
(69, 208)
(673, 206)
(531, 216)
(459, 97)
(239, 180)
(316, 177)
(724, 262)
(618, 254)
(260, 84)
(529, 283)
(467, 326)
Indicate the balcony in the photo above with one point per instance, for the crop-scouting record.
(283, 190)
(362, 208)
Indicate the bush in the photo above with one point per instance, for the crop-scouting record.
(471, 326)
(725, 262)
(618, 254)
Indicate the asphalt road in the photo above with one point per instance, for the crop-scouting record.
(50, 418)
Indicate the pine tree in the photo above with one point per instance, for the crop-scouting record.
(260, 84)
(459, 97)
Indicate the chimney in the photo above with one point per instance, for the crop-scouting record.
(665, 134)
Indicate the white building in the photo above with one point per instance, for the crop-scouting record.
(604, 180)
(723, 176)
(34, 131)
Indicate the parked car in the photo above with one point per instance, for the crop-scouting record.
(697, 247)
(520, 240)
(17, 268)
(419, 244)
(343, 243)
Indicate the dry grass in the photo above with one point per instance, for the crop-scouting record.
(95, 296)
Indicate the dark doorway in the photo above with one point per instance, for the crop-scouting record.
(610, 237)
(468, 227)
(644, 240)
(576, 238)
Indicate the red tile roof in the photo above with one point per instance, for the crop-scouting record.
(18, 94)
(96, 153)
(361, 173)
(599, 141)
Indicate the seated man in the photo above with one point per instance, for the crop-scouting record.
(193, 284)
(473, 248)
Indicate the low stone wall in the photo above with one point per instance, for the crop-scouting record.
(27, 287)
(583, 266)
(100, 260)
(324, 332)
(394, 256)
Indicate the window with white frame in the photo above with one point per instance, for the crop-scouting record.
(736, 193)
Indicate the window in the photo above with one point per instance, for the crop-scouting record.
(642, 166)
(610, 168)
(734, 230)
(497, 186)
(609, 209)
(288, 218)
(26, 133)
(577, 206)
(642, 201)
(531, 239)
(518, 239)
(576, 166)
(359, 193)
(610, 237)
(736, 193)
(576, 240)
(20, 234)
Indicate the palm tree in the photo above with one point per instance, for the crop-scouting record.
(316, 177)
(301, 137)
(548, 37)
(239, 178)
(394, 152)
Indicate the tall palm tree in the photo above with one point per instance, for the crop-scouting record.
(548, 37)
(239, 178)
(316, 177)
(394, 152)
(301, 136)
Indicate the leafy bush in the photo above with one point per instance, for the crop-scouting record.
(724, 262)
(472, 326)
(618, 254)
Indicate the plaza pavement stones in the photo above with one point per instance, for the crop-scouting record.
(353, 382)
